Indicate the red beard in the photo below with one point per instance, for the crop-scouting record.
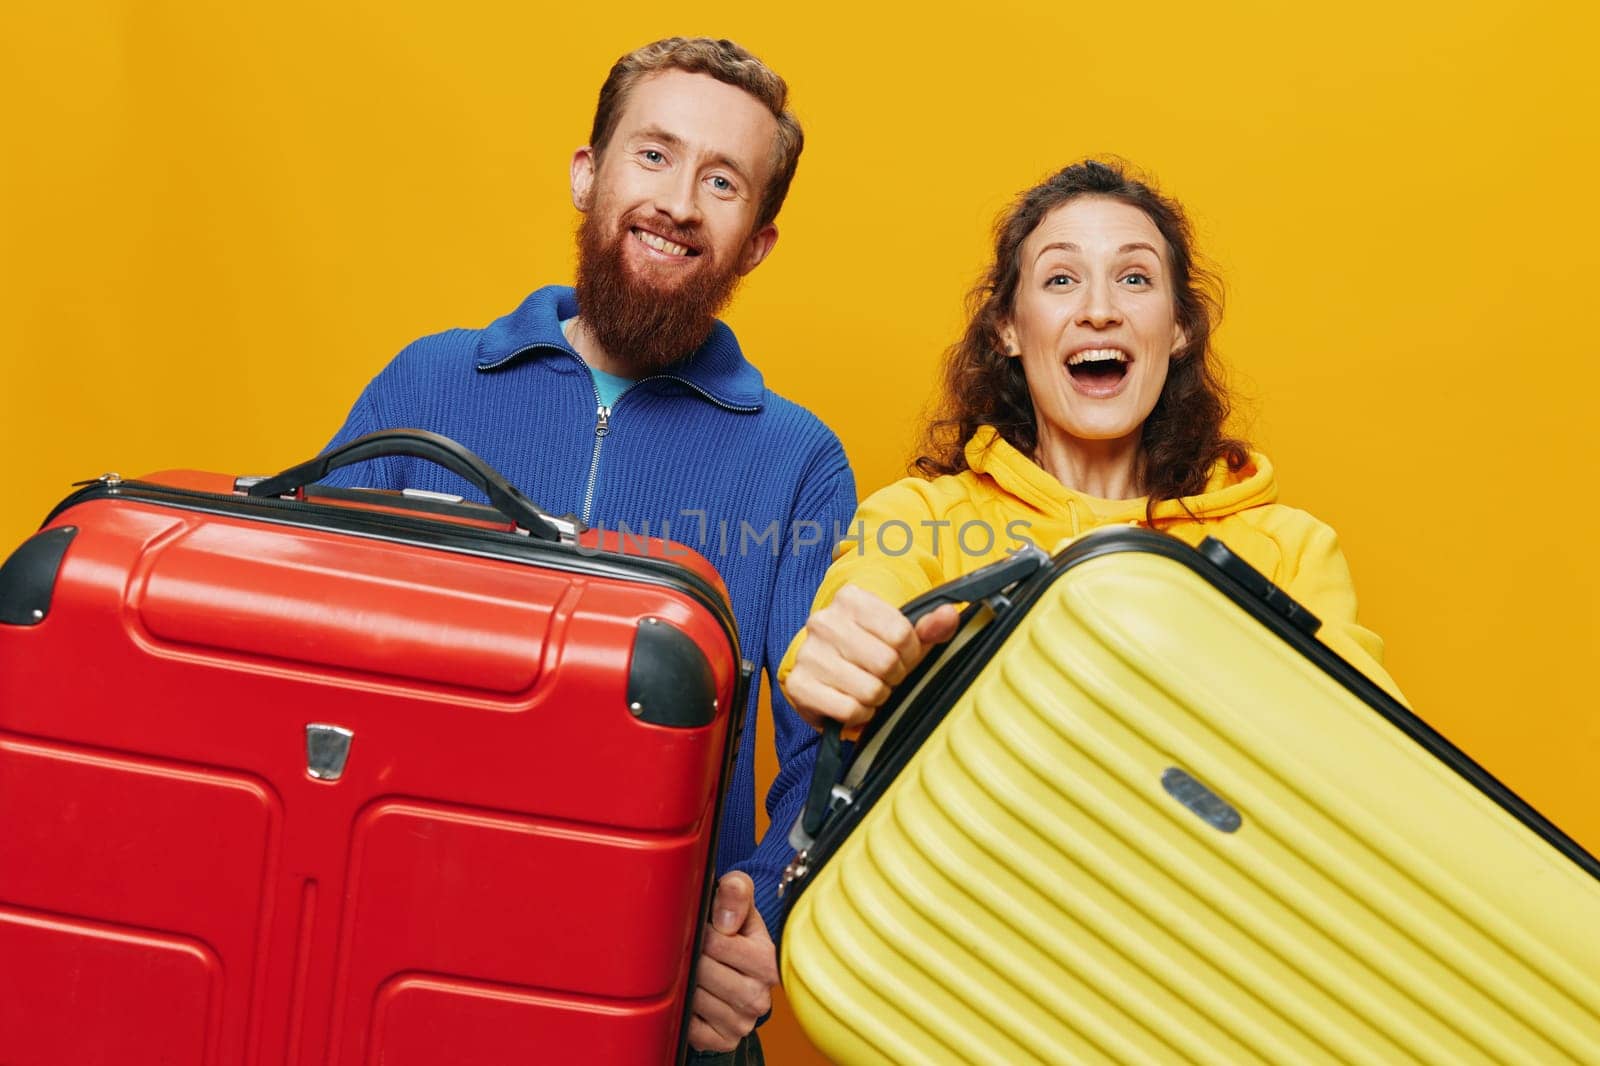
(643, 325)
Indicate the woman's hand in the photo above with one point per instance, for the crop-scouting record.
(856, 649)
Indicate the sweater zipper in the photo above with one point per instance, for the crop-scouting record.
(602, 426)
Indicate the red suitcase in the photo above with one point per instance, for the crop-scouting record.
(353, 778)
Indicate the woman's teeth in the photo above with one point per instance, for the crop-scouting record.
(660, 244)
(1097, 355)
(1103, 365)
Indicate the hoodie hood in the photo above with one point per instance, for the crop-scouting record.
(1227, 491)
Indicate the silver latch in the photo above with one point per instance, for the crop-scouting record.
(327, 749)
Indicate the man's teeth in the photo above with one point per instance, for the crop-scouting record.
(660, 244)
(1097, 355)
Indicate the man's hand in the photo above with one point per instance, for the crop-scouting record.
(736, 971)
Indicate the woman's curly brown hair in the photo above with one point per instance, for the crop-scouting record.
(1182, 439)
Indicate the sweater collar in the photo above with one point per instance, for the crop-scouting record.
(717, 369)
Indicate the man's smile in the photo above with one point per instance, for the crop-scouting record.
(661, 244)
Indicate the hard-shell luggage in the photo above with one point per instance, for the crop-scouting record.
(320, 775)
(1137, 813)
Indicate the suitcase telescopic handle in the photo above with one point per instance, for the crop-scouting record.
(420, 444)
(984, 583)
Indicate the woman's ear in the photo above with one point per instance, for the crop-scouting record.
(1179, 340)
(1008, 337)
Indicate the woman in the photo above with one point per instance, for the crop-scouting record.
(1084, 393)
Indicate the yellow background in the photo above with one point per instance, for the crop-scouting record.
(217, 221)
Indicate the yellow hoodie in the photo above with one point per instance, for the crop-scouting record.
(952, 525)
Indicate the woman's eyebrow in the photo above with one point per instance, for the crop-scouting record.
(1068, 246)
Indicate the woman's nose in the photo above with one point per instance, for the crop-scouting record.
(1099, 308)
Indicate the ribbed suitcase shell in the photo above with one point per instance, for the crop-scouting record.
(1026, 890)
(512, 866)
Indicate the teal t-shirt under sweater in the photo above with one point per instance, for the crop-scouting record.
(609, 386)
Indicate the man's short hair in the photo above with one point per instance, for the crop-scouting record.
(726, 62)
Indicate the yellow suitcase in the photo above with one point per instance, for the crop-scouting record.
(1137, 813)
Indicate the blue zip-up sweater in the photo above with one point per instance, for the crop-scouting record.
(706, 435)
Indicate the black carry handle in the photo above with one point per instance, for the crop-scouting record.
(1257, 584)
(420, 444)
(984, 583)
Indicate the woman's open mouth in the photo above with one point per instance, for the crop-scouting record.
(1098, 371)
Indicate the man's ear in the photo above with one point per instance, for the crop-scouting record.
(757, 248)
(583, 165)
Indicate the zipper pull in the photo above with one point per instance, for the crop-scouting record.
(798, 868)
(602, 424)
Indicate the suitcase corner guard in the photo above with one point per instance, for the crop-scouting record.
(669, 680)
(28, 578)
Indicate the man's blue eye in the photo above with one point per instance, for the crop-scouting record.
(722, 184)
(653, 156)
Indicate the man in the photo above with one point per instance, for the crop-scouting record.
(627, 402)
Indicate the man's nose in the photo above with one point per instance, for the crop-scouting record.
(677, 197)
